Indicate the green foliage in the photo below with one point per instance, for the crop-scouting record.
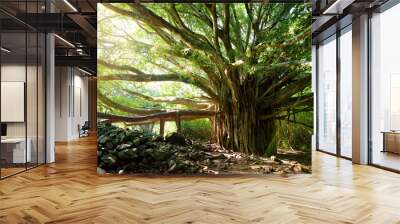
(298, 135)
(132, 151)
(283, 36)
(300, 138)
(199, 129)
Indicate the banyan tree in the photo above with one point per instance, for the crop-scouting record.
(248, 62)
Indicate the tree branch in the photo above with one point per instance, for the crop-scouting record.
(139, 76)
(120, 67)
(226, 37)
(149, 17)
(167, 116)
(283, 94)
(124, 108)
(237, 32)
(299, 122)
(172, 100)
(214, 16)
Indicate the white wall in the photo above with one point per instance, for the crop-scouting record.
(16, 73)
(71, 102)
(80, 110)
(62, 81)
(12, 73)
(33, 126)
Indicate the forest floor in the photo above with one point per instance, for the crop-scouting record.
(222, 161)
(125, 151)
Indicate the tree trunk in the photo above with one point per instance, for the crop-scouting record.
(162, 127)
(244, 133)
(239, 128)
(178, 123)
(214, 129)
(147, 127)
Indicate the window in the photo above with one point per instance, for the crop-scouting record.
(327, 95)
(385, 89)
(346, 92)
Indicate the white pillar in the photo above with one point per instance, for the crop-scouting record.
(314, 89)
(50, 100)
(360, 90)
(63, 102)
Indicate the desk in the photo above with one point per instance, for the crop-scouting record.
(13, 150)
(391, 141)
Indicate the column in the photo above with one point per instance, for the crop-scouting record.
(360, 90)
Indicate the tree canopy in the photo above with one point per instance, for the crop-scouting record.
(244, 65)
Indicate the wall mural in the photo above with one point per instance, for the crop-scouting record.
(204, 88)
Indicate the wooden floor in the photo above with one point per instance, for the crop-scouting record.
(70, 191)
(386, 159)
(10, 171)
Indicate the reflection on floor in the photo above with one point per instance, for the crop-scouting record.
(8, 170)
(387, 159)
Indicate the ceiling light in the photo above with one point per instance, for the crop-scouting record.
(337, 7)
(79, 51)
(64, 40)
(332, 7)
(84, 71)
(70, 5)
(5, 50)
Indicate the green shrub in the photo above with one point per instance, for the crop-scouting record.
(300, 138)
(127, 150)
(199, 129)
(295, 135)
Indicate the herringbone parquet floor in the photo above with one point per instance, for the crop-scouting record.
(70, 191)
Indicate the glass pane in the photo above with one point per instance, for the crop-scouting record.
(32, 96)
(22, 88)
(32, 86)
(41, 99)
(346, 93)
(327, 96)
(14, 151)
(386, 89)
